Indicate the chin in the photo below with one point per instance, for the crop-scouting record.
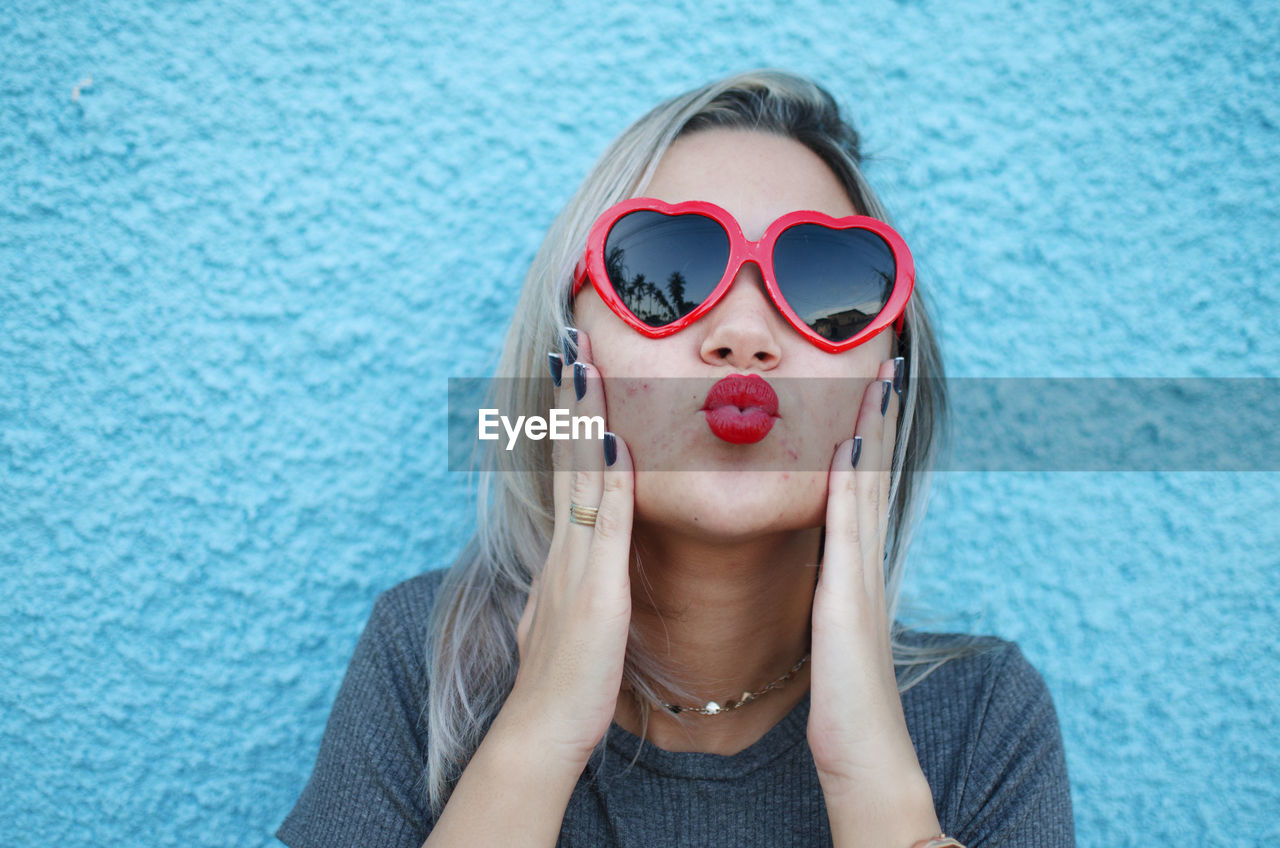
(728, 506)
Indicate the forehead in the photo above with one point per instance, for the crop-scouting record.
(756, 176)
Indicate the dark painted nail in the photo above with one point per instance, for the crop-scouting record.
(579, 379)
(610, 448)
(898, 367)
(570, 345)
(884, 398)
(857, 450)
(555, 363)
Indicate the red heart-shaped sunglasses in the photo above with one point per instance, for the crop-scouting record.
(661, 266)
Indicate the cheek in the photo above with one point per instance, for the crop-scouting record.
(627, 400)
(829, 407)
(834, 403)
(836, 410)
(657, 417)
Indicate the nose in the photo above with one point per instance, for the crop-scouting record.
(743, 330)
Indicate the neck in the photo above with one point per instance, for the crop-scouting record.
(725, 619)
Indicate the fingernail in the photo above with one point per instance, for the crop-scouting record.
(884, 398)
(579, 379)
(857, 450)
(555, 363)
(898, 367)
(570, 345)
(610, 448)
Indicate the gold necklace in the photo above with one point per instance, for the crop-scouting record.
(715, 708)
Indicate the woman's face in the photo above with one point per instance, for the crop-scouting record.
(656, 388)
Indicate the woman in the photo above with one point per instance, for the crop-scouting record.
(636, 647)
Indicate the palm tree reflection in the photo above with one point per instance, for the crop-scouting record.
(645, 299)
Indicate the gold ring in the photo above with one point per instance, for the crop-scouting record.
(585, 515)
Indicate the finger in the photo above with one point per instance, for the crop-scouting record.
(609, 558)
(889, 443)
(868, 483)
(842, 563)
(588, 426)
(562, 397)
(555, 365)
(586, 480)
(562, 449)
(852, 498)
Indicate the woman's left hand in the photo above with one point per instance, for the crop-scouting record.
(876, 793)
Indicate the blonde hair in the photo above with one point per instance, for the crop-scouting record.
(471, 645)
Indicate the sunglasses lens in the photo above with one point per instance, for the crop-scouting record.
(664, 266)
(836, 281)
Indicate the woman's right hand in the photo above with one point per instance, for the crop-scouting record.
(572, 636)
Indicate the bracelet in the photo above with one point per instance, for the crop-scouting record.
(939, 841)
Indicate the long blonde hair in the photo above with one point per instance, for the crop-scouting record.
(471, 644)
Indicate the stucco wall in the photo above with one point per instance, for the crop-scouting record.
(239, 264)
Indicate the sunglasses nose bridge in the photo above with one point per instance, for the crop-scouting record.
(755, 253)
(759, 275)
(753, 279)
(751, 256)
(739, 273)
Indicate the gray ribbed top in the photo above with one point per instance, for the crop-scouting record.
(984, 729)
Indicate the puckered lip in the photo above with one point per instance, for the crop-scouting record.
(746, 392)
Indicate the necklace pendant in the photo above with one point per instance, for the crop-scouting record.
(712, 708)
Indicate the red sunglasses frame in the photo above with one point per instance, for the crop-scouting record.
(741, 250)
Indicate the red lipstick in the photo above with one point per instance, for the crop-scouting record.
(741, 410)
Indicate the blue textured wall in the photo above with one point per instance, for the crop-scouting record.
(229, 269)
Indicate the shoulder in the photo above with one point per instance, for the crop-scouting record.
(988, 691)
(417, 593)
(974, 664)
(362, 790)
(987, 735)
(410, 600)
(394, 639)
